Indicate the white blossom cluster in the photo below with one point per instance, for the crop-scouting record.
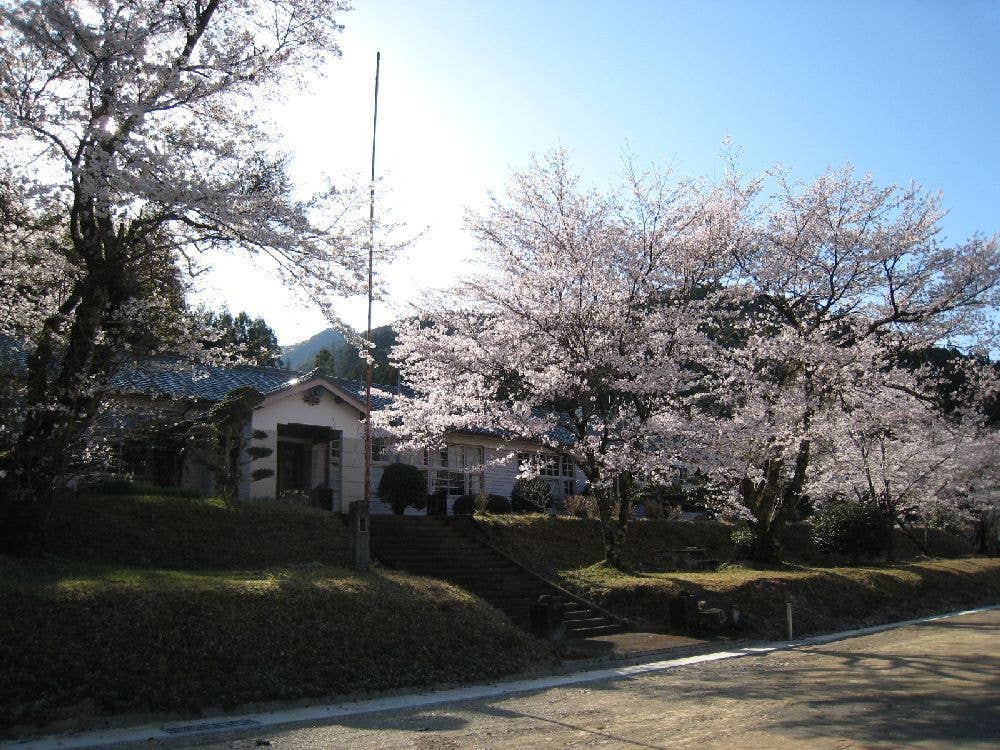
(132, 140)
(749, 330)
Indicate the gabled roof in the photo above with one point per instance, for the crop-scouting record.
(381, 395)
(177, 378)
(354, 390)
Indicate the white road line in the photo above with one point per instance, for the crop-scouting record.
(330, 712)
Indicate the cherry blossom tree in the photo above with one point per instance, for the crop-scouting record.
(580, 333)
(675, 323)
(132, 144)
(978, 495)
(897, 453)
(832, 282)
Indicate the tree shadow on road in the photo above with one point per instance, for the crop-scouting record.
(869, 697)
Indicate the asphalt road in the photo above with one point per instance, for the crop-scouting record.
(934, 685)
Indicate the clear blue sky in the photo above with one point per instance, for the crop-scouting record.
(906, 90)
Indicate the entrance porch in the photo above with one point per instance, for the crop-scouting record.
(309, 461)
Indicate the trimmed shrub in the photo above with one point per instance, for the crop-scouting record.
(652, 509)
(660, 501)
(749, 544)
(939, 543)
(105, 646)
(294, 497)
(402, 485)
(464, 505)
(656, 510)
(136, 489)
(259, 451)
(853, 529)
(494, 504)
(582, 506)
(530, 495)
(185, 533)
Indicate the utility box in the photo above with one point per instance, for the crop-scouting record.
(547, 619)
(437, 504)
(683, 613)
(359, 523)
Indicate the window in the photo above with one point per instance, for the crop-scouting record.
(455, 468)
(381, 449)
(452, 482)
(548, 464)
(150, 461)
(475, 483)
(558, 471)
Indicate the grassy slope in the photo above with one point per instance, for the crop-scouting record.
(191, 533)
(824, 598)
(171, 604)
(554, 544)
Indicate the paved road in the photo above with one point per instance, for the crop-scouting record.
(932, 685)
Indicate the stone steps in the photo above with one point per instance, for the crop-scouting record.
(433, 547)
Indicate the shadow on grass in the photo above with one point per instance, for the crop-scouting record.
(823, 599)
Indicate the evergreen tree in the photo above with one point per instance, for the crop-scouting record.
(325, 363)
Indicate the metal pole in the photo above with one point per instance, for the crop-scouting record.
(788, 619)
(371, 260)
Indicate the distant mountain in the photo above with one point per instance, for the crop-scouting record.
(300, 356)
(347, 362)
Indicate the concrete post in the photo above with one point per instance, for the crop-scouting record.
(359, 525)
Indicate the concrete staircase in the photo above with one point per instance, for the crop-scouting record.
(431, 546)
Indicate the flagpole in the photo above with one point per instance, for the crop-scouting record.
(371, 260)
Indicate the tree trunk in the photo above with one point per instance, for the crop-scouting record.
(766, 502)
(61, 403)
(792, 497)
(908, 533)
(613, 512)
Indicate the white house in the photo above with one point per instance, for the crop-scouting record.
(307, 436)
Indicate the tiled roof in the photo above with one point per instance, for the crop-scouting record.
(176, 378)
(179, 379)
(356, 388)
(381, 395)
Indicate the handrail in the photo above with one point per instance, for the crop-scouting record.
(484, 540)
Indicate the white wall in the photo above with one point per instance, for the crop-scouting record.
(289, 407)
(501, 473)
(499, 470)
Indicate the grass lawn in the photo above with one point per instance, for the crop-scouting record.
(147, 603)
(158, 604)
(824, 597)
